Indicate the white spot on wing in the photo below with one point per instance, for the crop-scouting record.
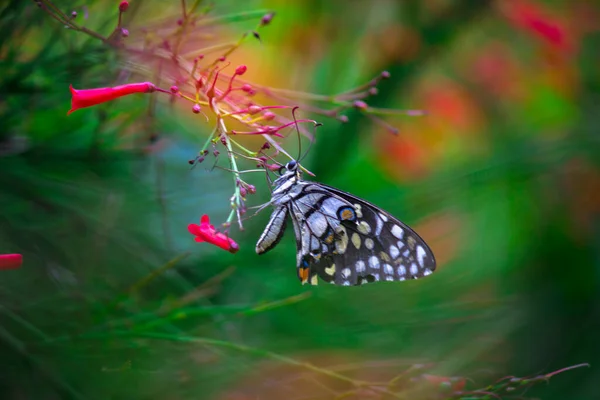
(427, 272)
(401, 270)
(330, 270)
(345, 283)
(364, 228)
(356, 240)
(413, 269)
(369, 244)
(420, 255)
(394, 252)
(342, 243)
(360, 266)
(346, 273)
(358, 209)
(389, 278)
(374, 262)
(388, 269)
(397, 231)
(383, 217)
(379, 227)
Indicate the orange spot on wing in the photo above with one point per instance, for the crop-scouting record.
(347, 214)
(303, 274)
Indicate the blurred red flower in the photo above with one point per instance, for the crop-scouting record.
(536, 19)
(10, 261)
(90, 97)
(205, 232)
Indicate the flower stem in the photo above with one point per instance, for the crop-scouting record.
(239, 146)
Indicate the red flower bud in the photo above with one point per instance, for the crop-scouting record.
(123, 6)
(361, 105)
(196, 108)
(246, 88)
(124, 32)
(254, 110)
(174, 89)
(267, 18)
(90, 97)
(268, 116)
(241, 70)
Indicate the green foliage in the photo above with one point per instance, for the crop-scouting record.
(115, 300)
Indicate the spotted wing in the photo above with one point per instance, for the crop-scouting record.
(349, 241)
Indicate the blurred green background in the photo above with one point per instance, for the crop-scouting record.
(501, 177)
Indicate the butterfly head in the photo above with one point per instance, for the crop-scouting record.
(289, 171)
(291, 166)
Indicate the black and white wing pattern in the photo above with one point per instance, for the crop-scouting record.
(342, 239)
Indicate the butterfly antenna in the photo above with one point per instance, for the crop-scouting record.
(316, 125)
(297, 132)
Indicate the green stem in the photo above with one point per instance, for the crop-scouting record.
(249, 152)
(236, 203)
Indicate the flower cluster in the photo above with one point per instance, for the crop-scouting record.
(169, 54)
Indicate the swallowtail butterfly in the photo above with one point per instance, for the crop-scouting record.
(340, 238)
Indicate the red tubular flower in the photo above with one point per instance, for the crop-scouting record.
(205, 232)
(10, 261)
(91, 97)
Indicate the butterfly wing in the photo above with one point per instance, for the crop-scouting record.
(273, 231)
(346, 240)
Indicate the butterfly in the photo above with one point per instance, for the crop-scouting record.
(340, 238)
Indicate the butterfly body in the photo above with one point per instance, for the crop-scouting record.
(340, 238)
